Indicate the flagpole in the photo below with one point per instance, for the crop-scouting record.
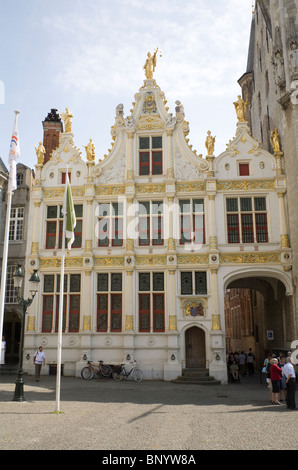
(4, 262)
(6, 237)
(60, 323)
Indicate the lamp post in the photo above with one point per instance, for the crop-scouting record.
(18, 280)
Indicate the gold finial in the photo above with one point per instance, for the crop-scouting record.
(150, 64)
(67, 118)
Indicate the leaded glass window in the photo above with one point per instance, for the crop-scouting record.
(247, 220)
(151, 302)
(150, 155)
(193, 283)
(109, 302)
(192, 221)
(71, 302)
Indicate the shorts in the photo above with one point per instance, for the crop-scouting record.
(275, 386)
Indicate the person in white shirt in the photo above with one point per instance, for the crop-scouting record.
(3, 349)
(39, 359)
(289, 371)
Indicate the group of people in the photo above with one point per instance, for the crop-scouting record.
(281, 379)
(240, 363)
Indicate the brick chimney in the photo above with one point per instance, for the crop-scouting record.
(52, 127)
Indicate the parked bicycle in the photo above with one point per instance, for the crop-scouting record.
(88, 372)
(120, 373)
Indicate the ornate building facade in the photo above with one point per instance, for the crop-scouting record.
(161, 234)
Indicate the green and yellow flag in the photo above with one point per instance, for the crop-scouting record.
(70, 216)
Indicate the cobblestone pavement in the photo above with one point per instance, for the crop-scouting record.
(153, 416)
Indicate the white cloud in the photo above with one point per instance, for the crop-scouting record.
(102, 49)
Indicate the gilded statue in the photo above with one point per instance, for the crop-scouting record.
(90, 151)
(67, 118)
(240, 106)
(40, 152)
(274, 139)
(209, 143)
(150, 65)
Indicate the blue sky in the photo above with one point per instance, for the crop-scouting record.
(89, 56)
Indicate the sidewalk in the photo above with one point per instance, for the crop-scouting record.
(153, 415)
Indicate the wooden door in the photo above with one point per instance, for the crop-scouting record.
(195, 347)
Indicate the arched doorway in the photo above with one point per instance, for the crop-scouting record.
(195, 350)
(258, 314)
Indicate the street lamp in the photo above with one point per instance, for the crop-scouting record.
(33, 282)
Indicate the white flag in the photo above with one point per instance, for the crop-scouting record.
(70, 214)
(14, 153)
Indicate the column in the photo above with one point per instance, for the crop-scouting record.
(212, 222)
(87, 301)
(170, 167)
(284, 237)
(88, 227)
(36, 229)
(172, 301)
(216, 322)
(129, 169)
(131, 225)
(129, 302)
(170, 225)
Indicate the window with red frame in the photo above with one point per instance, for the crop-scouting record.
(110, 224)
(54, 227)
(151, 223)
(109, 302)
(71, 302)
(150, 155)
(151, 302)
(247, 220)
(63, 177)
(192, 221)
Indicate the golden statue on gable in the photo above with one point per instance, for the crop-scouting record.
(209, 143)
(150, 64)
(67, 118)
(274, 140)
(240, 107)
(40, 152)
(90, 151)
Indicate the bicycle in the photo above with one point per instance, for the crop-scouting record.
(135, 373)
(88, 372)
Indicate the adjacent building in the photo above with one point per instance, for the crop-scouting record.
(270, 87)
(17, 238)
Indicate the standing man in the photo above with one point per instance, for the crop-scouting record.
(39, 359)
(242, 363)
(289, 372)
